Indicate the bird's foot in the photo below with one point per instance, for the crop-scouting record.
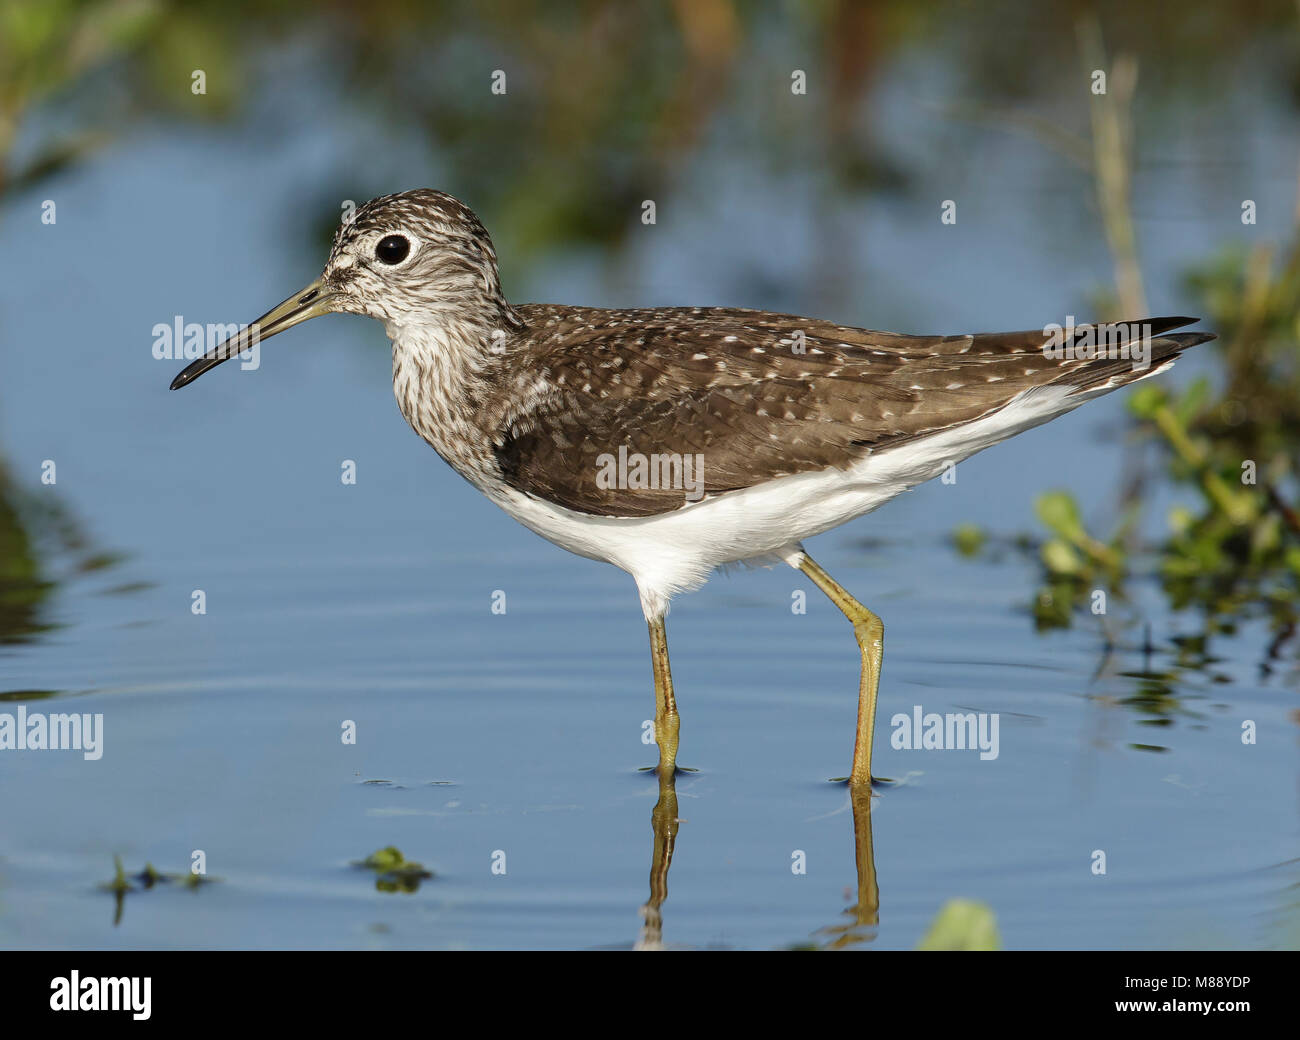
(658, 770)
(875, 781)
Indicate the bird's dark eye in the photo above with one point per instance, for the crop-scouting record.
(392, 249)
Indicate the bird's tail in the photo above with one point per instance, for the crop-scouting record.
(1099, 358)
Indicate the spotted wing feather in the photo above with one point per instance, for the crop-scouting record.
(752, 395)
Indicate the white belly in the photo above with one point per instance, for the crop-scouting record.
(675, 552)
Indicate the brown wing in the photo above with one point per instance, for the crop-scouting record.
(634, 413)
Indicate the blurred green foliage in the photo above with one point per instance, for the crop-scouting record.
(1231, 551)
(609, 100)
(40, 543)
(1226, 443)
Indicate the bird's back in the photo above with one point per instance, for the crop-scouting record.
(754, 396)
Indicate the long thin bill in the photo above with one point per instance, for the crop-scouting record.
(307, 303)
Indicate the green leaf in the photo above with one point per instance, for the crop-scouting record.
(1145, 400)
(1060, 558)
(962, 924)
(1060, 513)
(1293, 559)
(388, 858)
(969, 539)
(1180, 520)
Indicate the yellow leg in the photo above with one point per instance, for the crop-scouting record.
(667, 723)
(664, 823)
(870, 634)
(865, 913)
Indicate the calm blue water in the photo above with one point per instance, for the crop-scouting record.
(516, 738)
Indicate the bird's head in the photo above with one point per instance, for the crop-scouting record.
(415, 257)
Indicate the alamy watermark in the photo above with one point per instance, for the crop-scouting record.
(131, 993)
(634, 471)
(37, 731)
(189, 340)
(955, 731)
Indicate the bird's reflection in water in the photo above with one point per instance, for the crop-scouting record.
(663, 822)
(864, 914)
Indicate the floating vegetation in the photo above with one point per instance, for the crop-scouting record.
(123, 883)
(394, 872)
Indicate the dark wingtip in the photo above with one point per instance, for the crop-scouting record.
(1187, 340)
(1162, 325)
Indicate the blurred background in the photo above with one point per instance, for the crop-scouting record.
(167, 162)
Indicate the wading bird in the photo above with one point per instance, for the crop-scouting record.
(747, 431)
